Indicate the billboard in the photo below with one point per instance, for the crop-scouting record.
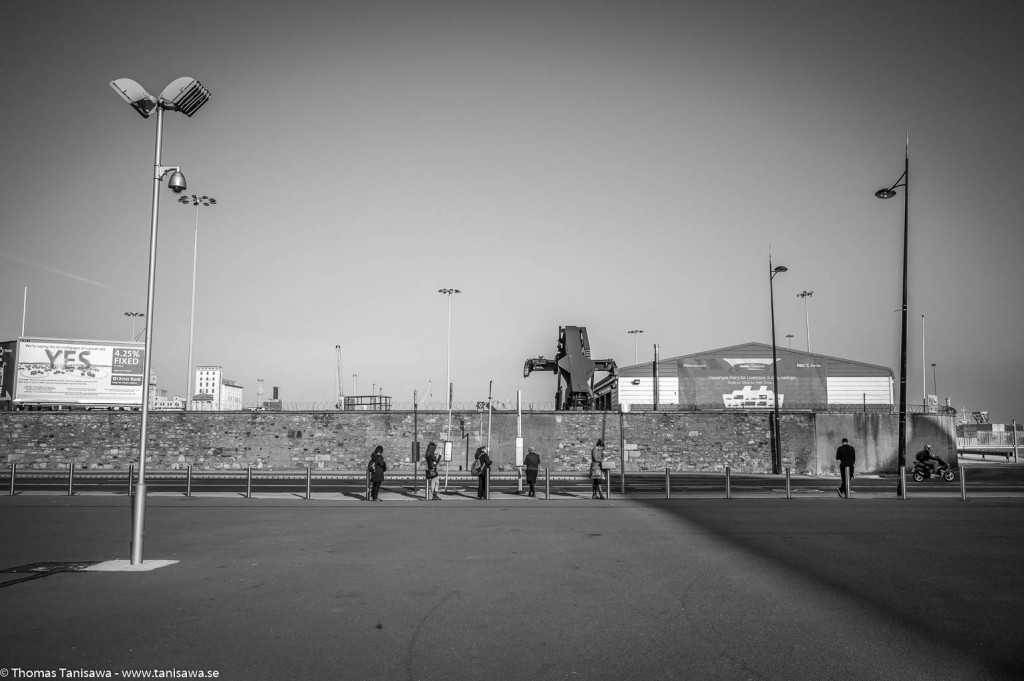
(56, 371)
(743, 382)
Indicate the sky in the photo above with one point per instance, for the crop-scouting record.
(613, 165)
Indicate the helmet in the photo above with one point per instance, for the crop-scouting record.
(927, 446)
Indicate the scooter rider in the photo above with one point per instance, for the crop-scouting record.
(929, 460)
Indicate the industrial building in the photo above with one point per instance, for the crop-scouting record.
(214, 392)
(741, 377)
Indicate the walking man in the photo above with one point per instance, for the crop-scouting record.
(532, 462)
(847, 456)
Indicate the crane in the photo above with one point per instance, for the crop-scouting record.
(574, 368)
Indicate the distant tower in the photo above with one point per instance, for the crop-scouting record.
(340, 404)
(259, 392)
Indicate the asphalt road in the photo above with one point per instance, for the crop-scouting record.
(756, 588)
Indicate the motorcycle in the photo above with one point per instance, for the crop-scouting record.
(923, 471)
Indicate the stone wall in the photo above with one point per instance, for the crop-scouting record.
(681, 441)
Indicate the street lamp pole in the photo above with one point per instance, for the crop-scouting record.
(636, 334)
(196, 201)
(935, 382)
(776, 432)
(134, 315)
(448, 362)
(807, 320)
(187, 96)
(903, 181)
(790, 337)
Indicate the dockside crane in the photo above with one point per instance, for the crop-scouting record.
(574, 367)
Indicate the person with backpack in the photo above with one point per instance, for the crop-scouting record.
(376, 468)
(481, 464)
(432, 480)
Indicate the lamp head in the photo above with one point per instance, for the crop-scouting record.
(185, 94)
(885, 193)
(780, 268)
(135, 94)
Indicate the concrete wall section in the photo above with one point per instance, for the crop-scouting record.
(876, 439)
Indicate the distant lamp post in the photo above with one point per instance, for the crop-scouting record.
(636, 334)
(776, 433)
(935, 381)
(134, 316)
(807, 320)
(196, 201)
(790, 337)
(185, 95)
(903, 181)
(448, 362)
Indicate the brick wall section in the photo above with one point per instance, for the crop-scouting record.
(681, 441)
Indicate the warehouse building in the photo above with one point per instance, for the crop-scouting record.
(741, 377)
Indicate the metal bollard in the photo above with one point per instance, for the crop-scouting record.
(131, 479)
(789, 490)
(963, 484)
(846, 482)
(309, 481)
(903, 483)
(728, 482)
(188, 480)
(608, 482)
(71, 478)
(14, 473)
(547, 485)
(668, 484)
(367, 486)
(487, 483)
(248, 482)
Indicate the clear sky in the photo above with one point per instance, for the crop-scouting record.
(614, 165)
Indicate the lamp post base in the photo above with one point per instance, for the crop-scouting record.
(138, 522)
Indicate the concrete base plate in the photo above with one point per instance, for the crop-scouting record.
(126, 566)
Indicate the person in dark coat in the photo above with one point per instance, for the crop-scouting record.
(433, 459)
(847, 456)
(532, 463)
(596, 471)
(485, 464)
(376, 468)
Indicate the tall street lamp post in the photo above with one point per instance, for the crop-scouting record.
(196, 201)
(807, 320)
(448, 362)
(187, 96)
(636, 334)
(134, 316)
(776, 434)
(903, 181)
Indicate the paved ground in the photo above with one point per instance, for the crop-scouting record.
(283, 588)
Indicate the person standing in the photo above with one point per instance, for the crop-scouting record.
(847, 456)
(532, 462)
(432, 480)
(485, 464)
(596, 470)
(376, 468)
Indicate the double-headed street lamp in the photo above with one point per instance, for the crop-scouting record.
(636, 334)
(903, 181)
(448, 362)
(776, 433)
(134, 316)
(807, 320)
(196, 201)
(185, 95)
